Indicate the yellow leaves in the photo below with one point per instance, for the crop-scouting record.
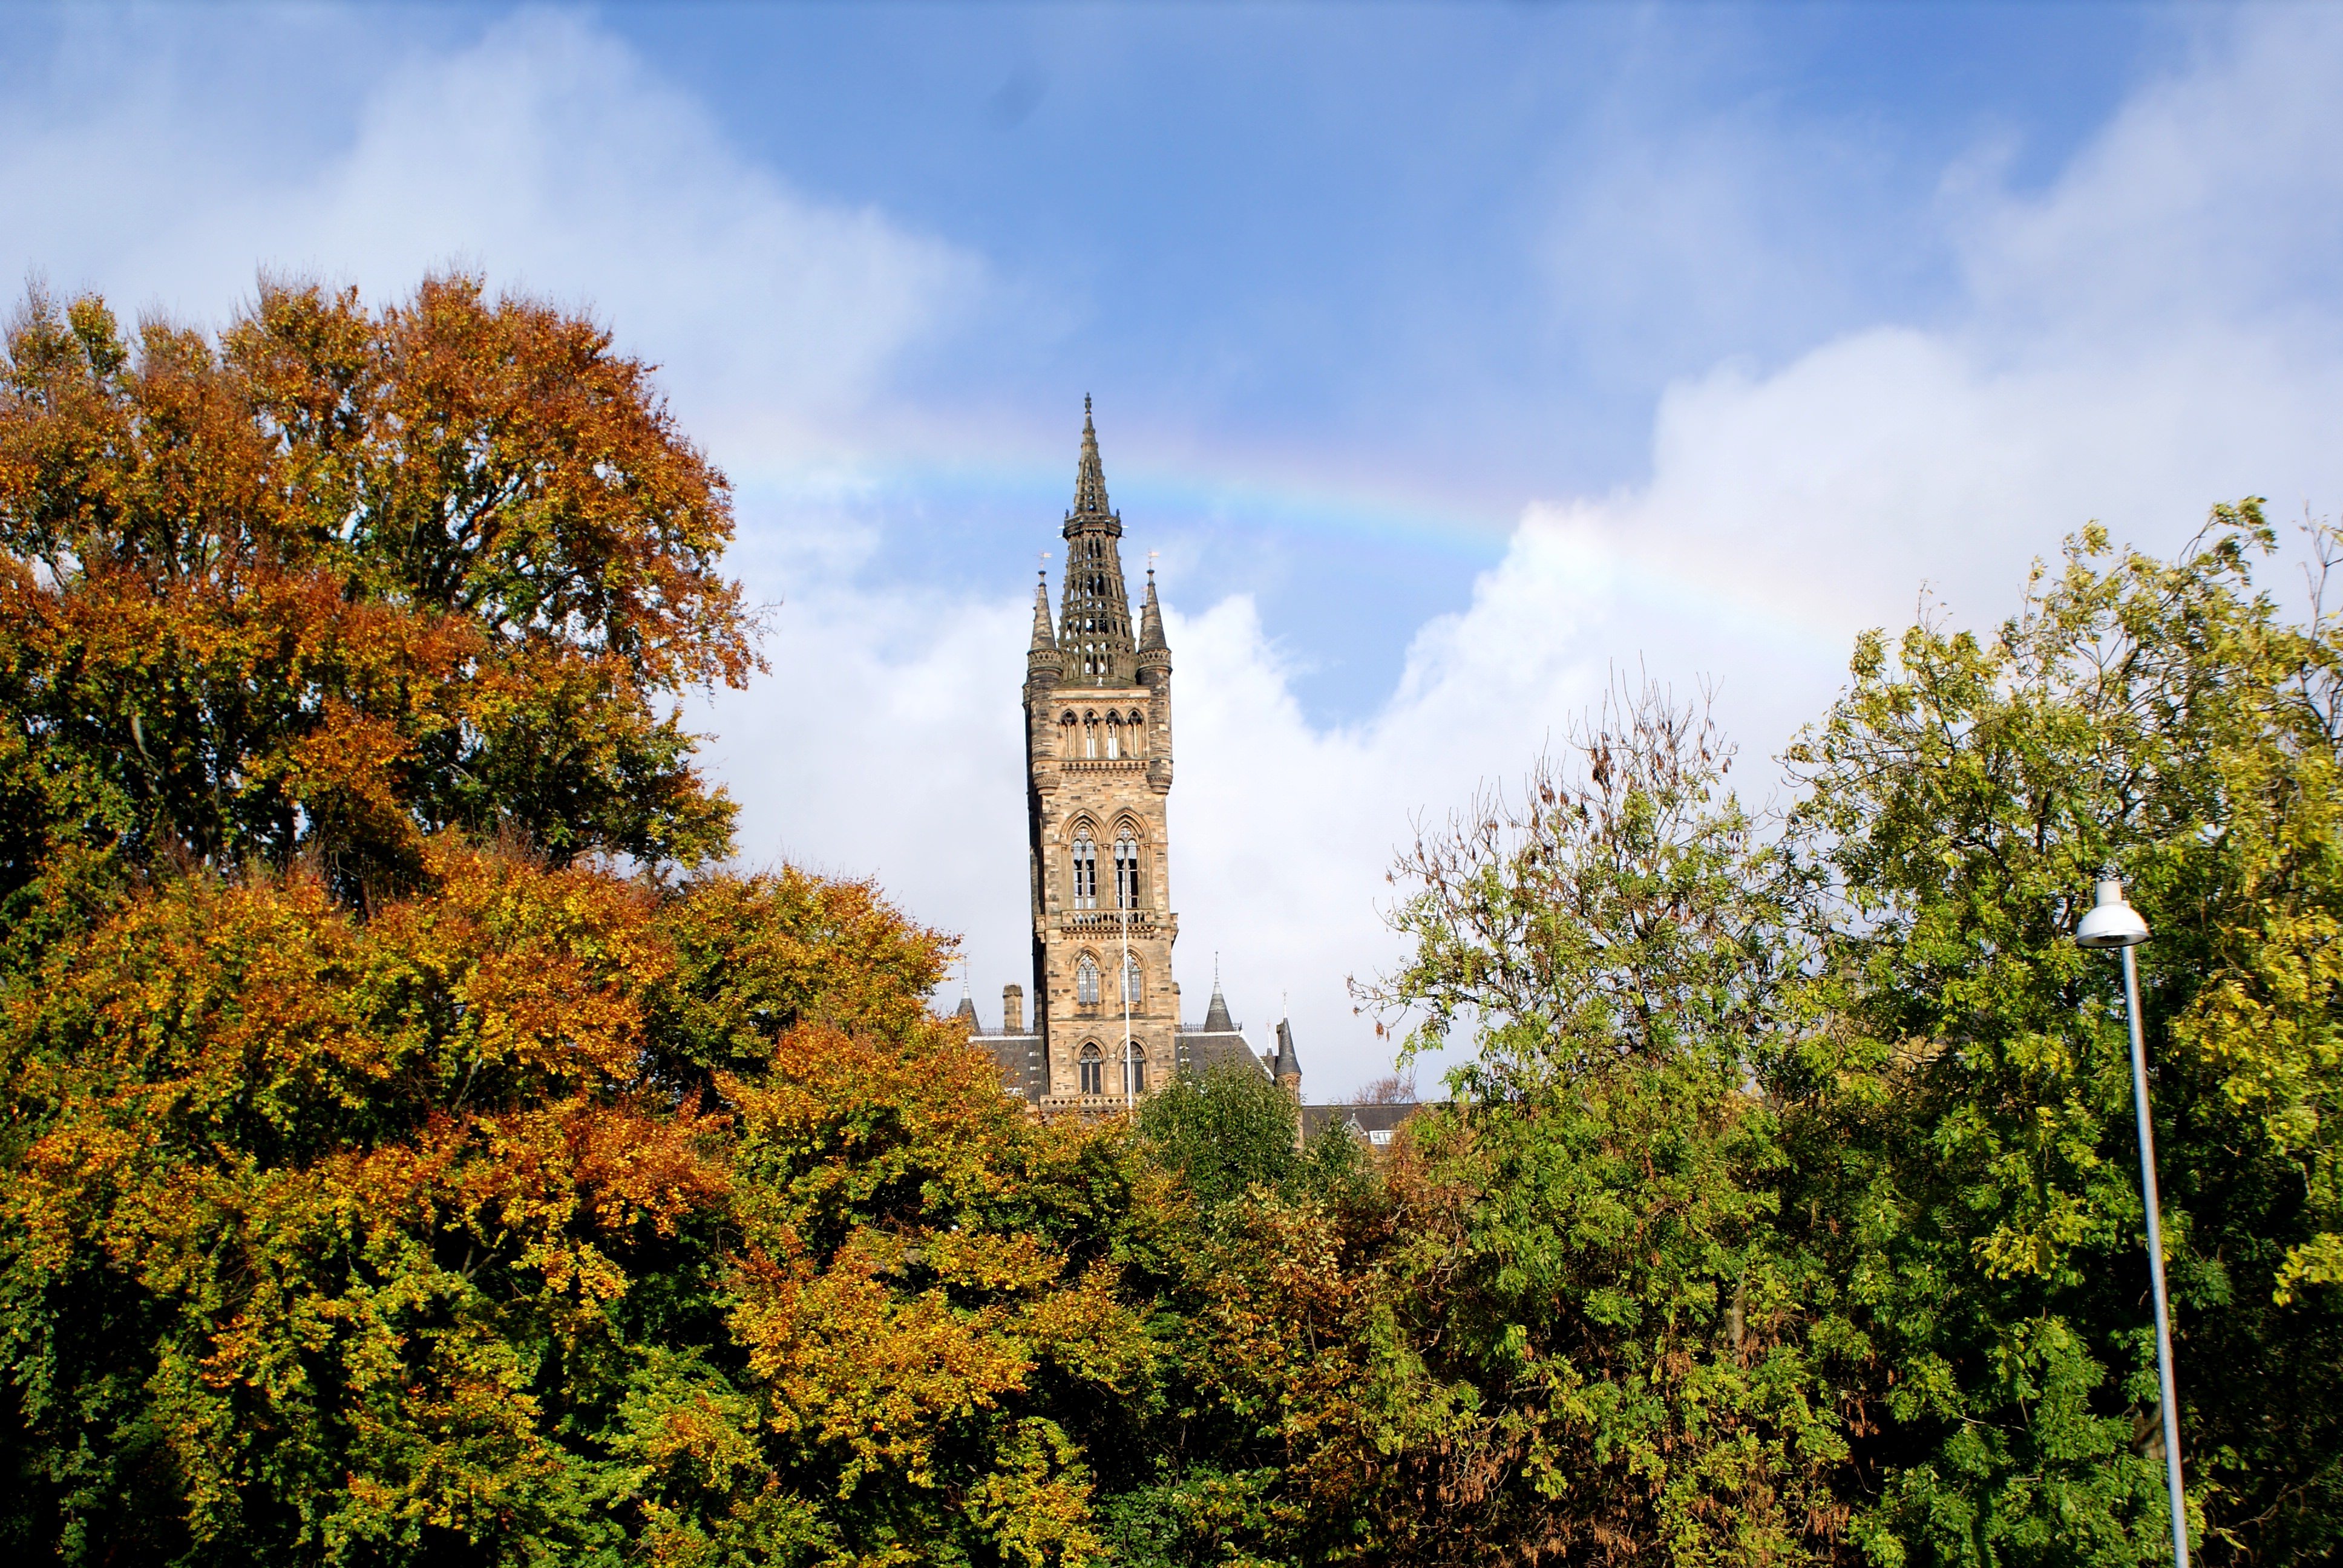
(2039, 1237)
(2317, 1261)
(357, 577)
(876, 1370)
(2269, 1025)
(1089, 1332)
(1036, 1502)
(762, 954)
(410, 1203)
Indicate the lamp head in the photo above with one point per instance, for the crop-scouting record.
(2112, 922)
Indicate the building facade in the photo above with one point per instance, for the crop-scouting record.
(1105, 1026)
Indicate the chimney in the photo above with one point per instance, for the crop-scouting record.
(1012, 1010)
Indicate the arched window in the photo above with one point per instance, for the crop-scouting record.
(1134, 1068)
(1131, 978)
(1126, 871)
(1093, 1067)
(1086, 981)
(1085, 872)
(1134, 730)
(1114, 735)
(1090, 734)
(1066, 729)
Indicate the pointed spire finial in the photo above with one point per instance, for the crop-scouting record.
(1089, 477)
(1094, 618)
(1045, 640)
(1216, 1016)
(1150, 620)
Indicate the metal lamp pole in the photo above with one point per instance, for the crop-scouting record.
(1123, 984)
(2114, 923)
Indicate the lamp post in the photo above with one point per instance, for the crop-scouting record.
(2114, 923)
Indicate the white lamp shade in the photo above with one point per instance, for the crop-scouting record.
(2112, 922)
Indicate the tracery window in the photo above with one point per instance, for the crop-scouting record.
(1086, 981)
(1085, 872)
(1113, 735)
(1131, 980)
(1066, 728)
(1134, 1068)
(1093, 1069)
(1126, 872)
(1090, 735)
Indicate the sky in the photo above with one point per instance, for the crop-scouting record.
(1453, 360)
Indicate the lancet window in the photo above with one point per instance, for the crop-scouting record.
(1085, 867)
(1126, 872)
(1114, 735)
(1134, 1068)
(1131, 980)
(1086, 981)
(1092, 1063)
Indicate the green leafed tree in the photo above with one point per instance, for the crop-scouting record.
(1592, 1256)
(1965, 1113)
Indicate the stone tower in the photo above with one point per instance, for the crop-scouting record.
(1097, 735)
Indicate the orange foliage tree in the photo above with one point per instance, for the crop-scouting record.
(410, 1149)
(542, 1214)
(345, 579)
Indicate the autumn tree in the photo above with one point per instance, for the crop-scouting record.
(343, 579)
(414, 1150)
(544, 1215)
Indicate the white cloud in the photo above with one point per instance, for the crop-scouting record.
(2157, 330)
(543, 153)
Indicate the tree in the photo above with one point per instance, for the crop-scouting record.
(412, 1151)
(1967, 1113)
(544, 1215)
(1225, 1134)
(344, 579)
(1593, 1260)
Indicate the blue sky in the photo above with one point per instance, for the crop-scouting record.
(1455, 358)
(1354, 284)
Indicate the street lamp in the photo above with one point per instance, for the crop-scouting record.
(2114, 923)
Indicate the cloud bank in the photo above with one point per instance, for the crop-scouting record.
(2154, 330)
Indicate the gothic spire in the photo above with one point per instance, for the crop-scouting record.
(1095, 618)
(1044, 641)
(1289, 1065)
(1089, 477)
(1216, 1017)
(1150, 621)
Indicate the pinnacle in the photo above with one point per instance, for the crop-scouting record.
(1090, 503)
(1150, 621)
(1044, 641)
(1094, 618)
